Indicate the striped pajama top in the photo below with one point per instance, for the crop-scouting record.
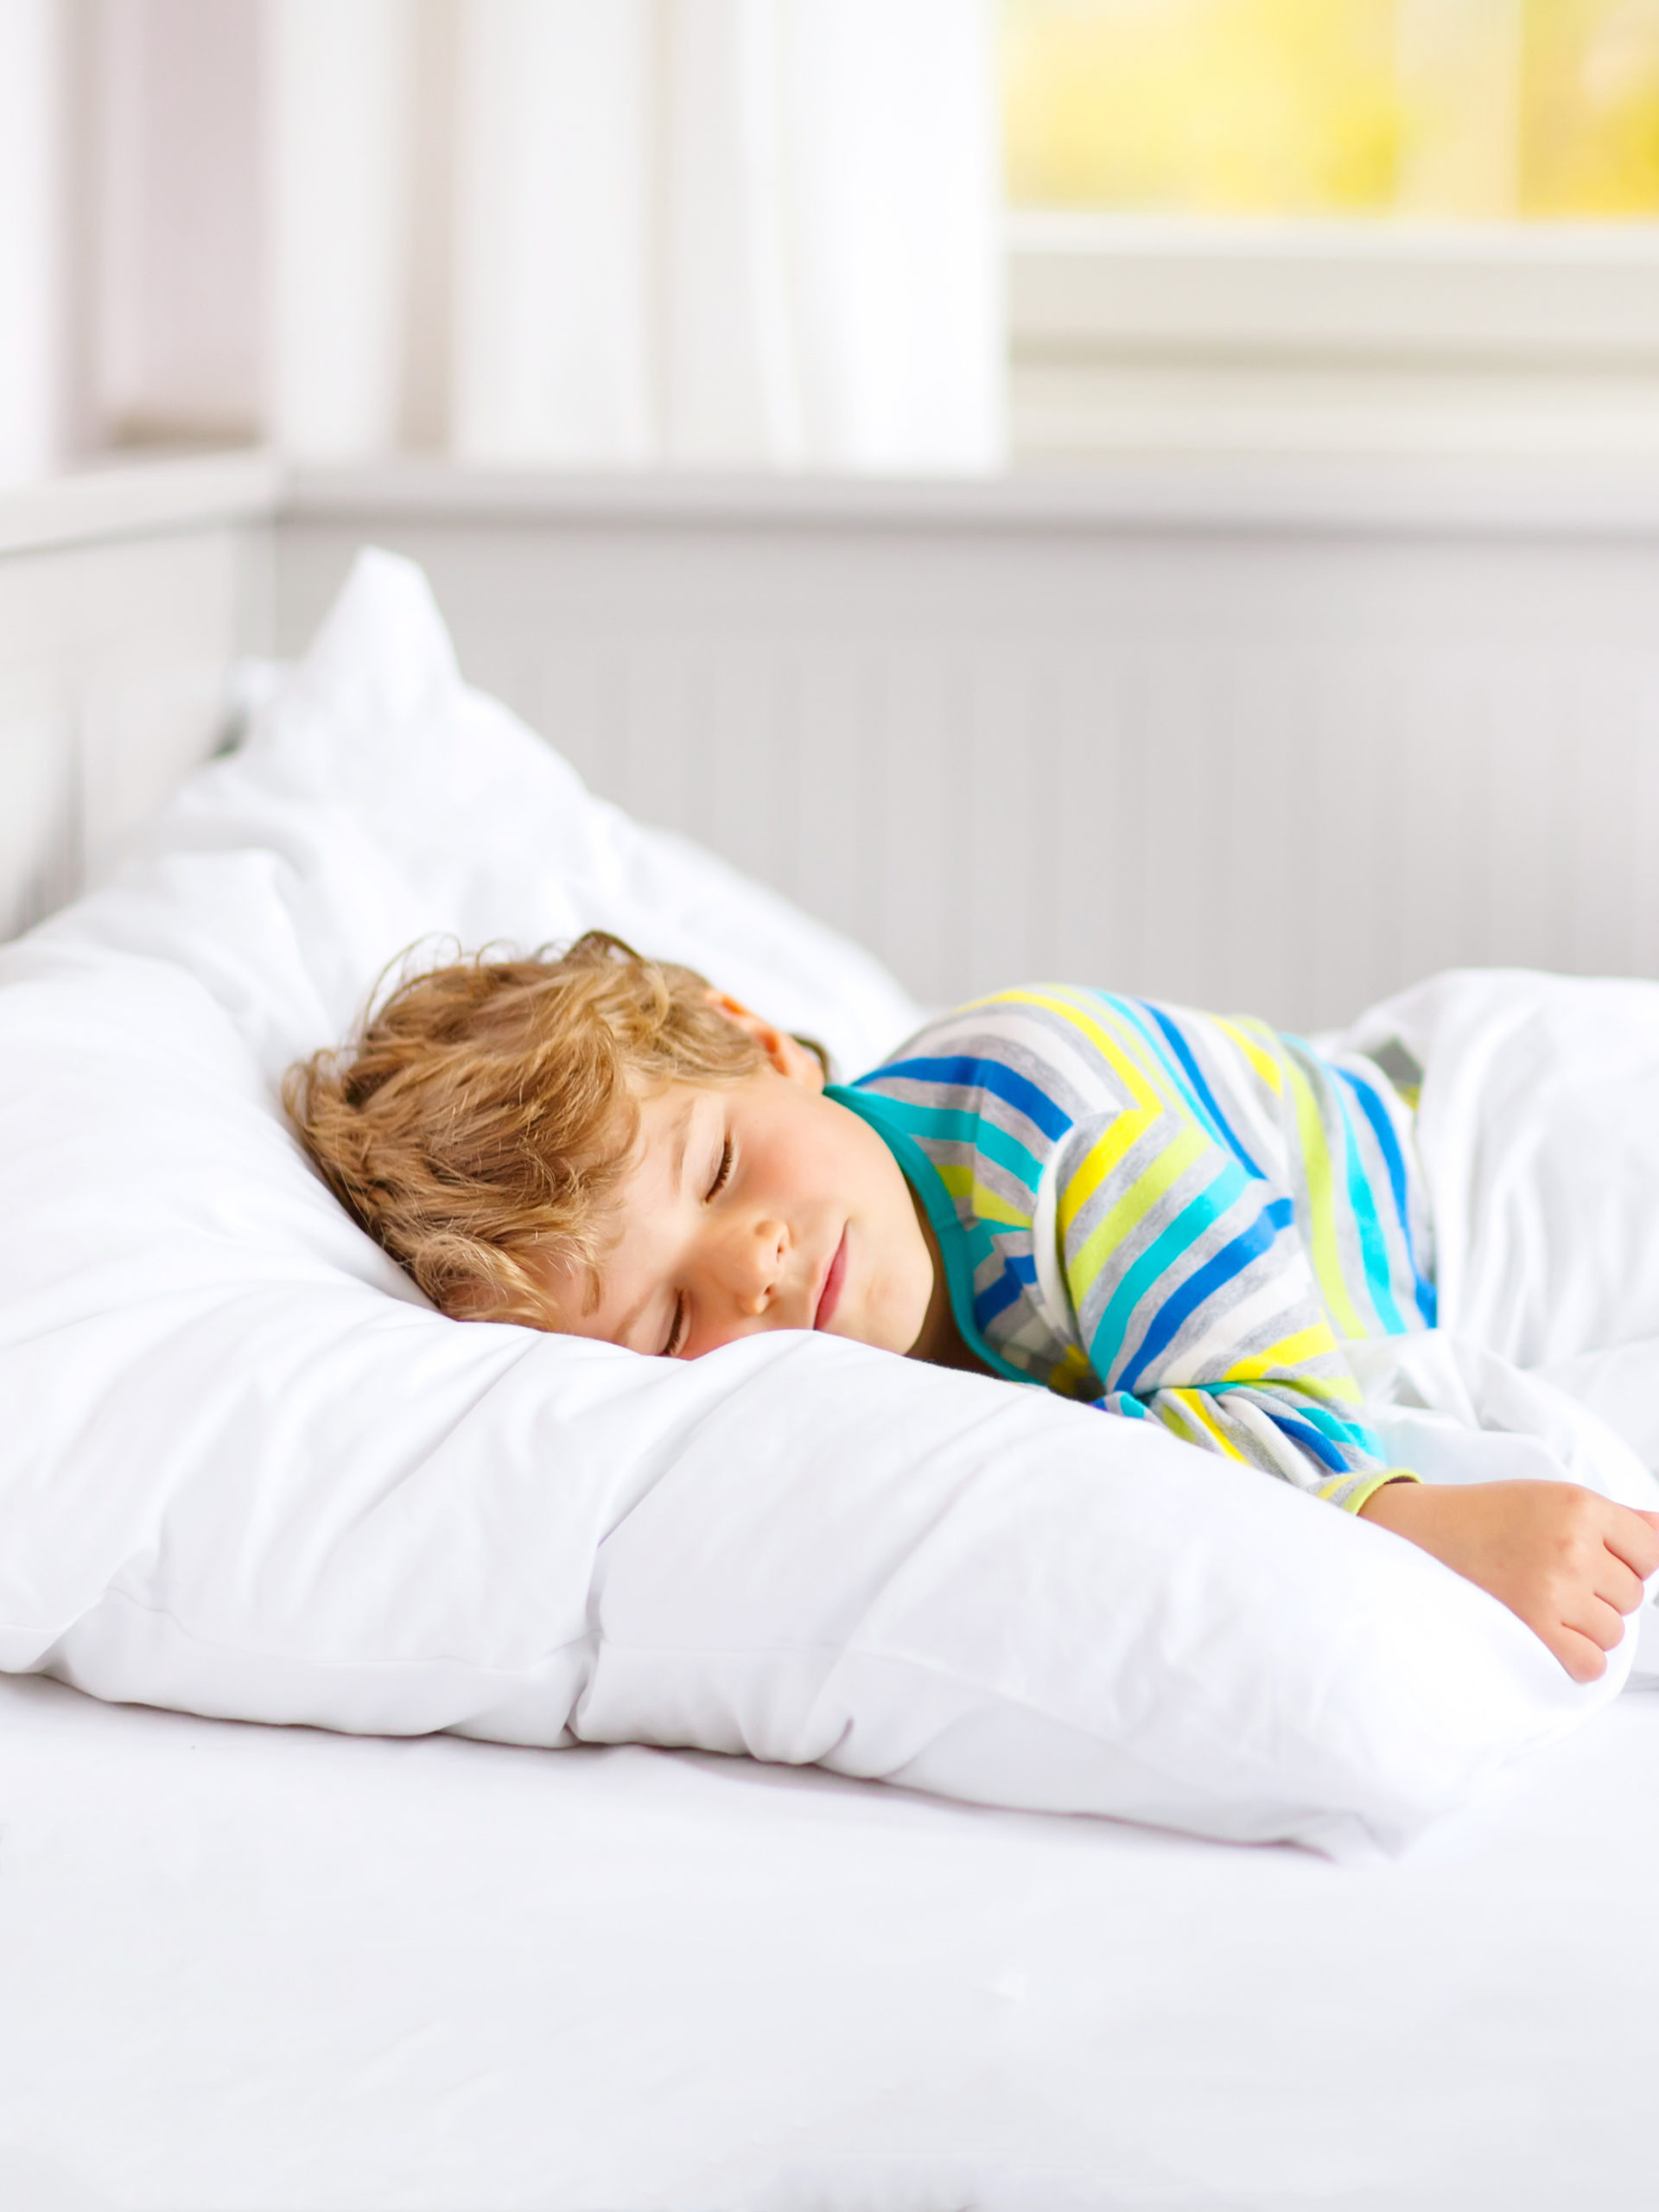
(1171, 1216)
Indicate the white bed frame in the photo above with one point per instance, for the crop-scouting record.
(1275, 738)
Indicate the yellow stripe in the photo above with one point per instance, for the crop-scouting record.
(1199, 1409)
(1126, 1129)
(961, 1182)
(1367, 1489)
(1107, 1153)
(1327, 1261)
(1073, 1374)
(1291, 1353)
(1143, 1091)
(1135, 1203)
(1263, 1062)
(989, 1207)
(1168, 1408)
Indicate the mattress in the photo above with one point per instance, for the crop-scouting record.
(247, 1966)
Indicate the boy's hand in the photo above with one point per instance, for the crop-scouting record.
(1570, 1563)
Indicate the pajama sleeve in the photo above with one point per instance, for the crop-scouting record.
(1203, 1312)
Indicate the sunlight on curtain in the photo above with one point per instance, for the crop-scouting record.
(1456, 109)
(728, 233)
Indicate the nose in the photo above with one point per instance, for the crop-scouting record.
(752, 1263)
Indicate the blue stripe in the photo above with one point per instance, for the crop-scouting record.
(1204, 1281)
(1388, 1143)
(1206, 1098)
(1373, 1244)
(962, 1245)
(1298, 1432)
(1340, 1429)
(1336, 1426)
(944, 1125)
(1140, 1036)
(1121, 1401)
(1223, 1191)
(1002, 1294)
(1003, 1083)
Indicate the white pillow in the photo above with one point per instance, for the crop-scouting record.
(248, 1471)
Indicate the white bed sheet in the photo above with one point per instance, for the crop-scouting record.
(264, 1967)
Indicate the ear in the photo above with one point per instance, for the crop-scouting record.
(785, 1054)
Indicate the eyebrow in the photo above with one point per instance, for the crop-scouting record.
(681, 1133)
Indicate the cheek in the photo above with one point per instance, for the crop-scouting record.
(862, 1170)
(887, 1203)
(803, 1155)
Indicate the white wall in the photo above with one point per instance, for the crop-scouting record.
(125, 597)
(1277, 748)
(1283, 754)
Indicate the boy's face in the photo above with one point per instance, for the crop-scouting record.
(765, 1206)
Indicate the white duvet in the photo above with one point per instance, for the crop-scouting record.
(247, 1471)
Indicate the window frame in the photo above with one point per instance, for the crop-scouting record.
(1164, 333)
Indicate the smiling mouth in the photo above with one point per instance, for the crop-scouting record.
(829, 1296)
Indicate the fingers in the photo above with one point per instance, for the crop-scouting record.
(1634, 1538)
(1583, 1660)
(1615, 1582)
(1593, 1622)
(1594, 1619)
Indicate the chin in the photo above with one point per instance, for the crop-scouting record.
(863, 1332)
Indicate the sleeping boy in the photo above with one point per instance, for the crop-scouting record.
(1167, 1215)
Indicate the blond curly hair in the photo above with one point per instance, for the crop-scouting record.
(486, 1111)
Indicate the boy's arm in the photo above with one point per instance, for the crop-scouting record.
(1570, 1564)
(1313, 1437)
(1285, 1401)
(1215, 1326)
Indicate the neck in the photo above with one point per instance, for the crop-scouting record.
(941, 1342)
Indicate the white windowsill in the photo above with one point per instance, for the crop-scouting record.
(1318, 494)
(1152, 335)
(1322, 495)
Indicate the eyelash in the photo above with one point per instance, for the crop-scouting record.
(676, 1326)
(719, 1183)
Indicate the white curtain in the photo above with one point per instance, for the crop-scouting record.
(34, 402)
(171, 199)
(714, 232)
(340, 155)
(554, 239)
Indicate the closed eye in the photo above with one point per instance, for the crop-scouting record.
(723, 1170)
(676, 1331)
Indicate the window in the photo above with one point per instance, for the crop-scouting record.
(1295, 223)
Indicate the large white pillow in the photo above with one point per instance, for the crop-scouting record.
(247, 1471)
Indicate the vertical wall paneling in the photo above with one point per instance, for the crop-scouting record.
(114, 654)
(1267, 767)
(38, 789)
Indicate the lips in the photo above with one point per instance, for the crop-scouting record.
(829, 1296)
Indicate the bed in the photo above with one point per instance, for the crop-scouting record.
(262, 1966)
(252, 1967)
